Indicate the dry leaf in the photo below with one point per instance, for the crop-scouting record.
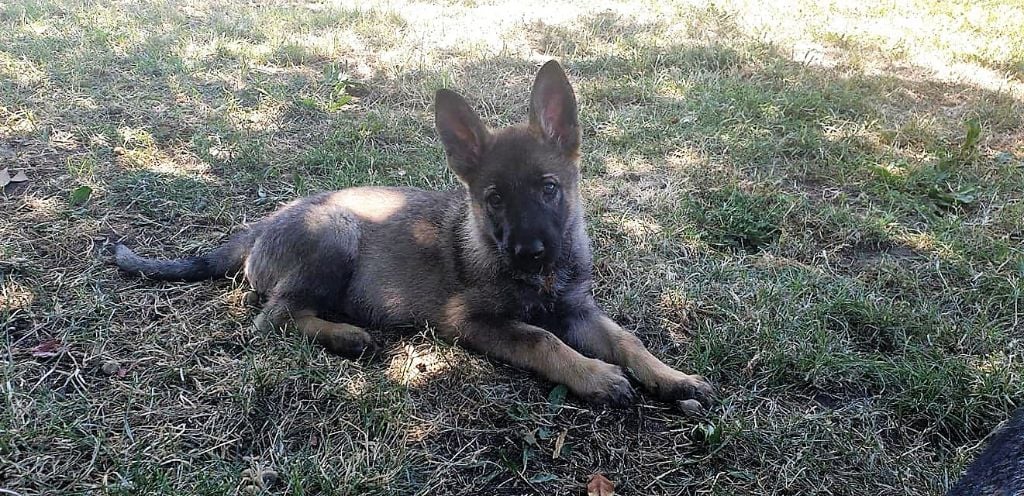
(46, 349)
(559, 442)
(599, 485)
(5, 177)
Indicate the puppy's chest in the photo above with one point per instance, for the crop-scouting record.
(538, 304)
(531, 302)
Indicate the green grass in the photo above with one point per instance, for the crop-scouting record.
(817, 206)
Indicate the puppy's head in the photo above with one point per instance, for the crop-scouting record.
(523, 181)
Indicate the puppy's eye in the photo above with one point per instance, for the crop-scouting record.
(495, 200)
(550, 189)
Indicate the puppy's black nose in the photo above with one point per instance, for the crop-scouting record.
(532, 250)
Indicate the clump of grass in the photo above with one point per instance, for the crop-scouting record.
(936, 182)
(733, 219)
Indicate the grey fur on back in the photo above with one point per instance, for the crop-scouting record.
(392, 256)
(379, 256)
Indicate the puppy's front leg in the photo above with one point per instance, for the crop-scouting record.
(537, 350)
(594, 334)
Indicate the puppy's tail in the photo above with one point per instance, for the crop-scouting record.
(224, 260)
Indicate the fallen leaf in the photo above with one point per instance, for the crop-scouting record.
(599, 485)
(544, 433)
(558, 445)
(5, 177)
(80, 195)
(556, 398)
(46, 349)
(530, 438)
(706, 433)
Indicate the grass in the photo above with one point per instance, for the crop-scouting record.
(816, 205)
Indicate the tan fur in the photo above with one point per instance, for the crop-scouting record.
(608, 341)
(541, 352)
(344, 339)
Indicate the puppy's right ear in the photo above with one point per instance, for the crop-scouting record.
(461, 131)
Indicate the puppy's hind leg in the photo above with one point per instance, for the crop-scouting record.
(342, 339)
(274, 315)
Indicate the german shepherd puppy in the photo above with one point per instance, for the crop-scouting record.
(501, 265)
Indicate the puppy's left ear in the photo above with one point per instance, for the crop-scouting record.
(553, 115)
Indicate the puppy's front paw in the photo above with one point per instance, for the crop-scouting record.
(682, 386)
(605, 384)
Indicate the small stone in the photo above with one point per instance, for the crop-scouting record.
(110, 367)
(268, 478)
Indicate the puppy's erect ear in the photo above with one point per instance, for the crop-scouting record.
(461, 131)
(553, 115)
